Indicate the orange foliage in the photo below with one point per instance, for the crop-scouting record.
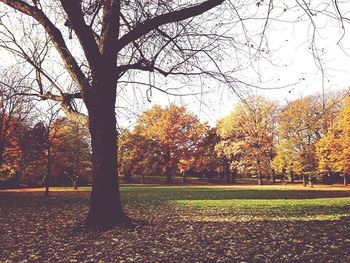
(175, 134)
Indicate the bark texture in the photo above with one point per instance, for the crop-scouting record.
(106, 207)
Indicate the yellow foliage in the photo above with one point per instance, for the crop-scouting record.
(247, 134)
(333, 150)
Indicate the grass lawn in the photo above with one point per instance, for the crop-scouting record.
(182, 224)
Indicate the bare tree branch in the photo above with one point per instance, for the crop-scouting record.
(153, 23)
(83, 32)
(56, 36)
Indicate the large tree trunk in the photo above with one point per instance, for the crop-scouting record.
(106, 208)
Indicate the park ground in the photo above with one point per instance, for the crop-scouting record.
(181, 224)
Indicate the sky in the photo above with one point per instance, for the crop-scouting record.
(293, 65)
(290, 64)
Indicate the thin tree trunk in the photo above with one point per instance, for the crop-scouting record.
(234, 175)
(273, 176)
(46, 190)
(127, 176)
(106, 208)
(2, 149)
(304, 180)
(283, 175)
(292, 177)
(168, 171)
(227, 171)
(228, 177)
(143, 179)
(183, 177)
(48, 172)
(168, 177)
(311, 181)
(345, 180)
(259, 173)
(328, 178)
(208, 175)
(75, 172)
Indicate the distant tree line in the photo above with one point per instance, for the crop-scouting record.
(304, 140)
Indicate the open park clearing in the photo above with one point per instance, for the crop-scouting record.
(194, 223)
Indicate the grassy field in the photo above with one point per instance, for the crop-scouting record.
(182, 224)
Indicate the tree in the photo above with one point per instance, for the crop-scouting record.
(247, 135)
(115, 37)
(15, 113)
(54, 145)
(138, 155)
(73, 151)
(206, 162)
(32, 164)
(299, 127)
(333, 149)
(301, 124)
(177, 133)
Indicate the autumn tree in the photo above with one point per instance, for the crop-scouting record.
(51, 147)
(299, 128)
(32, 142)
(333, 149)
(247, 135)
(138, 155)
(329, 151)
(15, 114)
(206, 162)
(177, 133)
(72, 151)
(143, 154)
(49, 127)
(301, 124)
